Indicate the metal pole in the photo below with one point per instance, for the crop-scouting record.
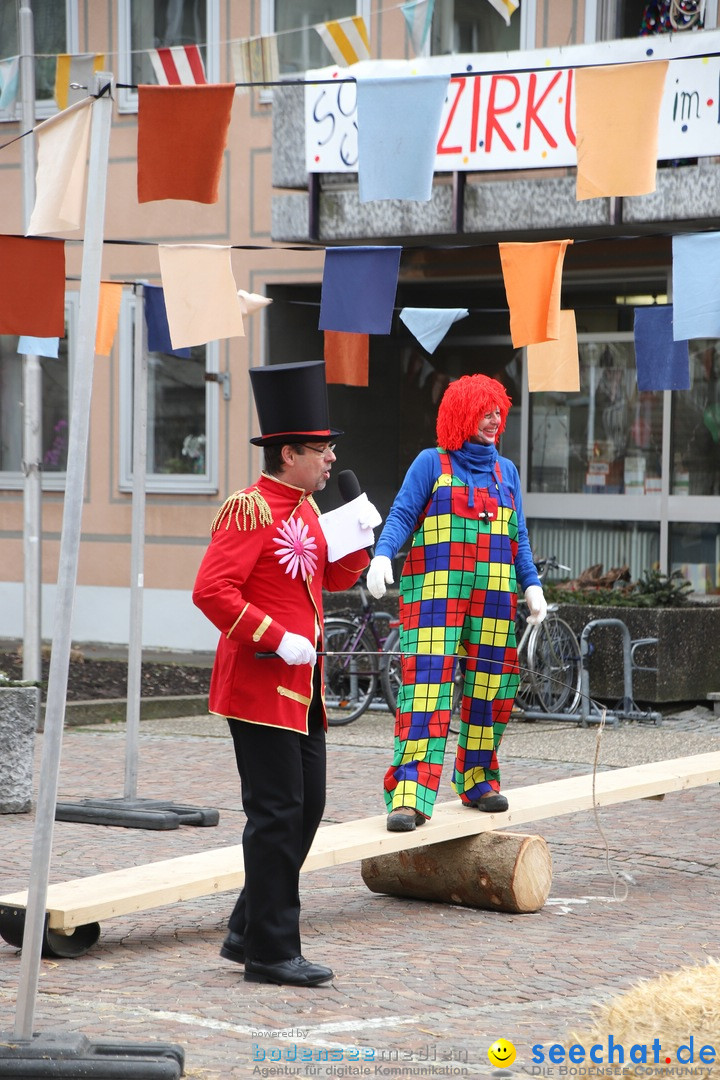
(68, 562)
(32, 387)
(137, 542)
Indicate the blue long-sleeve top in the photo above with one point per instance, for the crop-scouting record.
(474, 464)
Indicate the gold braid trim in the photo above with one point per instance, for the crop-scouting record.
(250, 504)
(314, 505)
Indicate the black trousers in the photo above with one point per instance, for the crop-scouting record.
(283, 793)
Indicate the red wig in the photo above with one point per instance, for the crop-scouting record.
(463, 405)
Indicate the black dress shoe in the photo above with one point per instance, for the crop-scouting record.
(491, 804)
(295, 972)
(233, 947)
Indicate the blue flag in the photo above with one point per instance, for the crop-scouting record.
(358, 289)
(662, 363)
(158, 331)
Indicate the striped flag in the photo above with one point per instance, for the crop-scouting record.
(255, 60)
(346, 39)
(75, 68)
(178, 65)
(505, 8)
(8, 81)
(418, 21)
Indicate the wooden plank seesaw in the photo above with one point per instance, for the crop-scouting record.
(76, 908)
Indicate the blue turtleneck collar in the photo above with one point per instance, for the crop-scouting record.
(470, 462)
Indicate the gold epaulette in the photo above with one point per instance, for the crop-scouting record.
(314, 505)
(248, 509)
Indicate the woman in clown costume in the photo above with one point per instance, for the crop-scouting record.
(461, 503)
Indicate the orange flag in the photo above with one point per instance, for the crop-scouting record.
(617, 112)
(32, 286)
(555, 365)
(108, 315)
(347, 358)
(533, 276)
(182, 134)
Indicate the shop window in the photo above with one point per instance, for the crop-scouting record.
(182, 415)
(582, 544)
(300, 47)
(56, 377)
(464, 26)
(695, 552)
(154, 24)
(54, 31)
(631, 18)
(696, 425)
(607, 439)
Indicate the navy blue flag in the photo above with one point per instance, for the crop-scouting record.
(358, 289)
(158, 331)
(662, 364)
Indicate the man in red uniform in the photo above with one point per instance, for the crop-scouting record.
(260, 583)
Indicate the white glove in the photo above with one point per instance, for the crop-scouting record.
(536, 603)
(379, 575)
(368, 516)
(296, 649)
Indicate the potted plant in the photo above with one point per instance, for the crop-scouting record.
(19, 714)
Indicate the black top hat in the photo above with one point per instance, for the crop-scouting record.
(291, 402)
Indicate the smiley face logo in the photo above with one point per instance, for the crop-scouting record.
(501, 1053)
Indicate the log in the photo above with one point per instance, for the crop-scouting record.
(496, 871)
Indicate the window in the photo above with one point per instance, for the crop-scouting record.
(56, 377)
(631, 18)
(55, 31)
(182, 415)
(153, 24)
(463, 26)
(695, 552)
(696, 425)
(300, 47)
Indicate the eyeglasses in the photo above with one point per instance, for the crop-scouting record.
(316, 450)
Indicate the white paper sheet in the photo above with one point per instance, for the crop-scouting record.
(350, 527)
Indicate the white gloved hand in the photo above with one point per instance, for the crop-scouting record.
(379, 575)
(536, 603)
(369, 516)
(296, 649)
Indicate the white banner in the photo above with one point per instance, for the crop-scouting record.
(520, 113)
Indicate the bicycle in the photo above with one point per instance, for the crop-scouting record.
(354, 648)
(548, 658)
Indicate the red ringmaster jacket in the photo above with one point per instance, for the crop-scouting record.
(251, 586)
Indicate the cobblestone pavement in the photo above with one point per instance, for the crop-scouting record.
(421, 989)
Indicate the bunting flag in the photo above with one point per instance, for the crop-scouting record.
(696, 285)
(156, 321)
(430, 325)
(347, 358)
(533, 278)
(617, 110)
(39, 346)
(346, 40)
(182, 134)
(418, 15)
(255, 60)
(9, 81)
(178, 65)
(358, 289)
(201, 297)
(505, 8)
(251, 302)
(62, 150)
(32, 286)
(555, 365)
(108, 316)
(75, 68)
(398, 130)
(662, 363)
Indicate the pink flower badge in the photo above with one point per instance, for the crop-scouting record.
(296, 548)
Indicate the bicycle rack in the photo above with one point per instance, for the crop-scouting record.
(626, 709)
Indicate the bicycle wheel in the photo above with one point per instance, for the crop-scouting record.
(350, 675)
(526, 699)
(554, 658)
(390, 669)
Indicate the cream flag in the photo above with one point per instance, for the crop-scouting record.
(251, 302)
(62, 148)
(201, 296)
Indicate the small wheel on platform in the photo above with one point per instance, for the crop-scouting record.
(54, 943)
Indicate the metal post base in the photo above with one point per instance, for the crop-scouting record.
(71, 1055)
(134, 813)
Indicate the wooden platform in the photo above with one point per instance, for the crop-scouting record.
(75, 903)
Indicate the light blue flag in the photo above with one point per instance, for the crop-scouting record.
(696, 286)
(39, 346)
(430, 325)
(418, 20)
(8, 81)
(398, 130)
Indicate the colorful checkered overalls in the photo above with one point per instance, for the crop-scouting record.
(457, 598)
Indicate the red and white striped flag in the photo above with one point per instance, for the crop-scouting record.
(178, 65)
